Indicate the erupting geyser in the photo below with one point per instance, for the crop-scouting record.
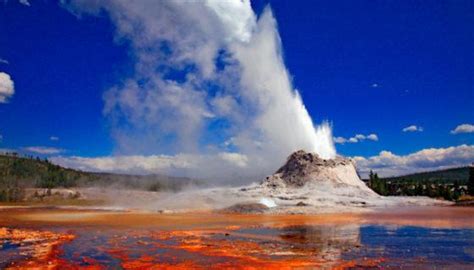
(204, 64)
(323, 143)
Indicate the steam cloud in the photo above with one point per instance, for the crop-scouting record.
(210, 93)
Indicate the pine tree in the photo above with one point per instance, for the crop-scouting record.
(371, 179)
(470, 184)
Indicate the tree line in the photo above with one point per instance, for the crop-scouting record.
(423, 187)
(18, 173)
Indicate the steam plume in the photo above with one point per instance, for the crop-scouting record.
(210, 86)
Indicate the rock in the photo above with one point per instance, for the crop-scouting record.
(247, 208)
(465, 203)
(164, 211)
(302, 204)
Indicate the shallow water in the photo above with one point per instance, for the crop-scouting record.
(415, 238)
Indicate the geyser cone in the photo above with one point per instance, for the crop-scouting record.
(303, 168)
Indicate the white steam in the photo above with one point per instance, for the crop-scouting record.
(210, 84)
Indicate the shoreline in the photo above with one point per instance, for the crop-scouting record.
(424, 216)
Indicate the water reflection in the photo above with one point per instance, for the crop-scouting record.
(411, 246)
(390, 246)
(241, 241)
(324, 243)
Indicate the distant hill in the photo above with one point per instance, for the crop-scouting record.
(460, 175)
(36, 172)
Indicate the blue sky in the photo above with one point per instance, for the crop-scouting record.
(370, 67)
(419, 55)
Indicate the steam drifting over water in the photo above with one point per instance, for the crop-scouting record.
(210, 90)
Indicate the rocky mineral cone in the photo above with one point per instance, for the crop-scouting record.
(302, 167)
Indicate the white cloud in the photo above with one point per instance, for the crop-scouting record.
(252, 100)
(464, 128)
(130, 164)
(43, 150)
(373, 137)
(387, 163)
(235, 158)
(54, 138)
(24, 2)
(3, 61)
(375, 85)
(7, 88)
(340, 140)
(355, 139)
(190, 165)
(413, 128)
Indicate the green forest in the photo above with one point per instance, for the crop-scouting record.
(449, 184)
